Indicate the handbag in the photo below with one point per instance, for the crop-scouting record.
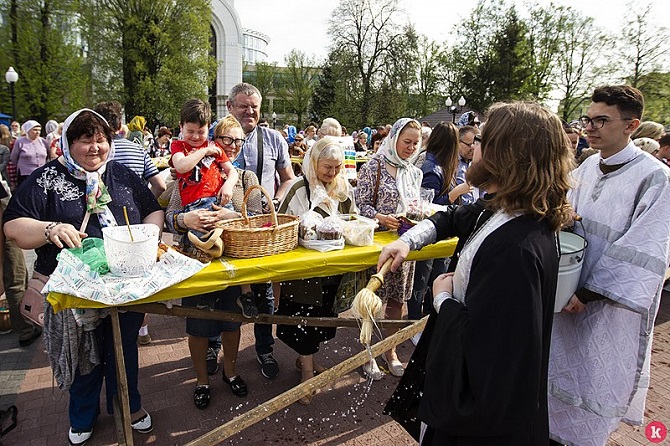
(32, 304)
(350, 285)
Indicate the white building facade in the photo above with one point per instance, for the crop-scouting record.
(232, 46)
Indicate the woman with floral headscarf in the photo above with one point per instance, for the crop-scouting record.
(29, 152)
(323, 188)
(68, 199)
(386, 185)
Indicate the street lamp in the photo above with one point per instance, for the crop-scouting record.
(11, 76)
(274, 120)
(453, 109)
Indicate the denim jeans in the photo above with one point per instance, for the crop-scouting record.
(266, 305)
(84, 406)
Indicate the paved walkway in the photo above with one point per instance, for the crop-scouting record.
(347, 413)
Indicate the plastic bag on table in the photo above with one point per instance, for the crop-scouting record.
(92, 253)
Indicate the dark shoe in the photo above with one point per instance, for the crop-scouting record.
(237, 385)
(144, 425)
(37, 332)
(247, 302)
(78, 438)
(212, 361)
(144, 339)
(269, 366)
(201, 396)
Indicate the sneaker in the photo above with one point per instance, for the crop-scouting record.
(269, 366)
(371, 369)
(144, 339)
(212, 361)
(143, 425)
(247, 302)
(78, 438)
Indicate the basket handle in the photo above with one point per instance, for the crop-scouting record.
(273, 213)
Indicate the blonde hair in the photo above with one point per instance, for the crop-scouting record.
(327, 148)
(526, 154)
(227, 123)
(648, 129)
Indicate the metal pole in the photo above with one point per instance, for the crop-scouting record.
(11, 92)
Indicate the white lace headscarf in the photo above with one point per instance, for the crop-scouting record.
(408, 177)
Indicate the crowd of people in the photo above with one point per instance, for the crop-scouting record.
(494, 365)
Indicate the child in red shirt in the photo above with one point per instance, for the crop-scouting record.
(201, 164)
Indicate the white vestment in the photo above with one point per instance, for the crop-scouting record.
(600, 358)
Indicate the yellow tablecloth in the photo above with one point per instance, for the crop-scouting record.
(301, 263)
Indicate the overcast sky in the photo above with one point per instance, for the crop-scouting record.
(303, 24)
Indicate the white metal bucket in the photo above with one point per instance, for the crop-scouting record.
(569, 267)
(131, 258)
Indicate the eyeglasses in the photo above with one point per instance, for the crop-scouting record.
(599, 121)
(228, 141)
(469, 144)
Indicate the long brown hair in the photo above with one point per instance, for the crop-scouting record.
(526, 155)
(443, 144)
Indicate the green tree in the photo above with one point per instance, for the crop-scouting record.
(37, 40)
(162, 50)
(323, 97)
(544, 43)
(580, 66)
(262, 75)
(656, 89)
(431, 76)
(366, 30)
(297, 87)
(643, 45)
(490, 59)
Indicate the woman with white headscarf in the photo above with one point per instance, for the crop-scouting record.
(323, 188)
(386, 185)
(29, 152)
(59, 204)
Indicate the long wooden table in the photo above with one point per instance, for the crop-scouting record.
(300, 263)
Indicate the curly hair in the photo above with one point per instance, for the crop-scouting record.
(526, 156)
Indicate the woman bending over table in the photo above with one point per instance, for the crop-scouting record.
(46, 214)
(386, 184)
(323, 188)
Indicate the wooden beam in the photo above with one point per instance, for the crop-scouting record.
(241, 422)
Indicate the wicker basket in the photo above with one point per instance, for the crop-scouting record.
(246, 237)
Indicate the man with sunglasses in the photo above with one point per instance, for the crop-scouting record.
(601, 341)
(468, 136)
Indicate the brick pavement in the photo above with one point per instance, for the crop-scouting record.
(346, 413)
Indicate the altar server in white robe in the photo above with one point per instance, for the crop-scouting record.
(601, 341)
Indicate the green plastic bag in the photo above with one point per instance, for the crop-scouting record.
(92, 253)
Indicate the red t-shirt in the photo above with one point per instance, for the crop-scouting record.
(210, 177)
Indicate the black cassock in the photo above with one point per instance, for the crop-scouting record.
(486, 361)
